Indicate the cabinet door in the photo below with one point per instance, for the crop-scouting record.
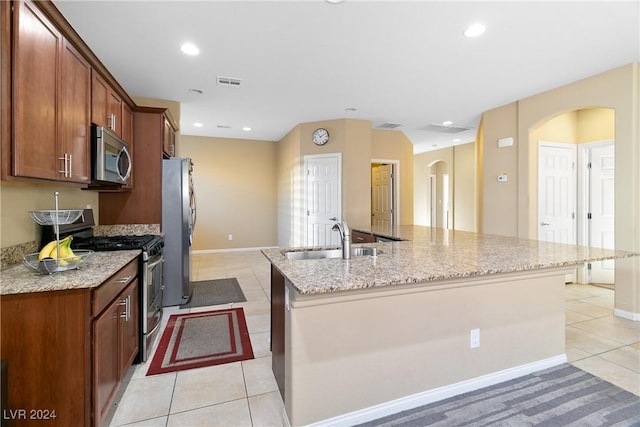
(75, 110)
(38, 46)
(115, 112)
(106, 363)
(99, 100)
(168, 139)
(129, 327)
(127, 136)
(127, 124)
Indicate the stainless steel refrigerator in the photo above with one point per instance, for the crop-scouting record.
(178, 223)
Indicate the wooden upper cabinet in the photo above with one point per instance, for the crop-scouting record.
(75, 111)
(99, 100)
(127, 124)
(36, 71)
(51, 101)
(168, 139)
(115, 113)
(106, 105)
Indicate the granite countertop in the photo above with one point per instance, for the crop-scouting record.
(429, 255)
(97, 268)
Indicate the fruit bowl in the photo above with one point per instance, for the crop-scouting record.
(52, 265)
(56, 216)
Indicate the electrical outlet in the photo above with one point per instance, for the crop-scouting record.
(474, 338)
(230, 237)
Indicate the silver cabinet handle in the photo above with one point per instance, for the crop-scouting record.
(70, 165)
(127, 308)
(544, 223)
(66, 165)
(111, 122)
(124, 279)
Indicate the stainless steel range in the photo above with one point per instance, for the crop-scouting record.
(150, 273)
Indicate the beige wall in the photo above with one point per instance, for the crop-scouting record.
(500, 200)
(464, 187)
(596, 124)
(358, 144)
(517, 202)
(17, 199)
(460, 164)
(235, 184)
(291, 214)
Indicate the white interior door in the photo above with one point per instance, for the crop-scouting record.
(557, 195)
(382, 195)
(601, 228)
(323, 196)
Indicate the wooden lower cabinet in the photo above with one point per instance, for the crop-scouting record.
(277, 327)
(116, 328)
(64, 360)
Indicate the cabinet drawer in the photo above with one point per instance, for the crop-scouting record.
(105, 293)
(359, 237)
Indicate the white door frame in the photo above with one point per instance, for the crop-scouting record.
(307, 159)
(584, 199)
(395, 201)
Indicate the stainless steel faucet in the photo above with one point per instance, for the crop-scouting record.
(345, 236)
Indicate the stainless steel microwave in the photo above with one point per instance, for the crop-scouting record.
(110, 158)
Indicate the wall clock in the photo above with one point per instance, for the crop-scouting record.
(320, 136)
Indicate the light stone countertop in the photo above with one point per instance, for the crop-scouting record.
(97, 268)
(429, 255)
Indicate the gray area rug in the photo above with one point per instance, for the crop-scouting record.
(560, 396)
(214, 292)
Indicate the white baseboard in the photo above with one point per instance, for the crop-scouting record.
(217, 251)
(626, 315)
(430, 396)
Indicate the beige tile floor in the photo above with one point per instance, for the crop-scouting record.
(245, 393)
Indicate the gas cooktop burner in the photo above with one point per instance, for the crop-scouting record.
(116, 243)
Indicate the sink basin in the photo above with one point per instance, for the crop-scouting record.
(330, 253)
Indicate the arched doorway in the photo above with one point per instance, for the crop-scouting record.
(439, 200)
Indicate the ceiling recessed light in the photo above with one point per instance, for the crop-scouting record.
(456, 140)
(196, 91)
(246, 128)
(447, 123)
(474, 30)
(190, 49)
(198, 124)
(334, 1)
(350, 110)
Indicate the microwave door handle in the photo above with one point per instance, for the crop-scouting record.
(125, 152)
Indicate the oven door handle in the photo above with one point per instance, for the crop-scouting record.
(153, 264)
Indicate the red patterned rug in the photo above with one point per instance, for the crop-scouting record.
(207, 338)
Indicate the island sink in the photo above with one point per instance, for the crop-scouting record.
(330, 253)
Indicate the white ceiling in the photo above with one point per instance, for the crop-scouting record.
(395, 62)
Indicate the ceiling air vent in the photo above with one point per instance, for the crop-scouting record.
(388, 125)
(229, 81)
(444, 129)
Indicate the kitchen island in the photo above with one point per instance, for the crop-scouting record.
(434, 315)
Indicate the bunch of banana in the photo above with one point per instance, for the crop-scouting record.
(50, 250)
